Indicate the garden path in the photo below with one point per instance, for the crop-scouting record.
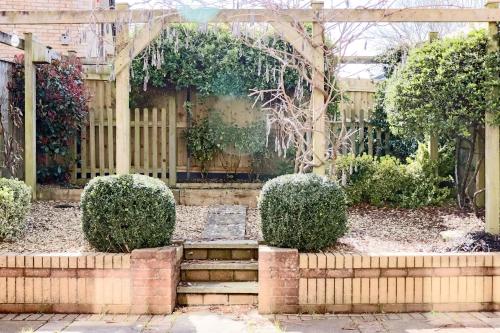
(234, 319)
(225, 222)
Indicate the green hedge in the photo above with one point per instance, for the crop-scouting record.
(123, 213)
(302, 211)
(15, 202)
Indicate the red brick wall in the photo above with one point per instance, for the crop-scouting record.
(278, 280)
(142, 282)
(49, 34)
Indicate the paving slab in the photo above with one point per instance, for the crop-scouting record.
(247, 320)
(18, 326)
(225, 222)
(102, 327)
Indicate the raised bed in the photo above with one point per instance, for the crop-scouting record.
(189, 194)
(290, 282)
(141, 282)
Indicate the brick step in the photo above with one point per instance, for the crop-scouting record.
(221, 250)
(223, 270)
(217, 293)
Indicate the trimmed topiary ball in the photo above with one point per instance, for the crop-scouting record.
(302, 211)
(15, 203)
(123, 213)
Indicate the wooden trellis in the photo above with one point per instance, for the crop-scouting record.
(312, 51)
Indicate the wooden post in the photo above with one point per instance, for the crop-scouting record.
(492, 148)
(122, 105)
(318, 99)
(29, 114)
(480, 177)
(172, 142)
(433, 143)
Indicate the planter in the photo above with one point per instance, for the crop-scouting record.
(142, 282)
(290, 282)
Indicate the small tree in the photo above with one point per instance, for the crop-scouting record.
(444, 88)
(61, 110)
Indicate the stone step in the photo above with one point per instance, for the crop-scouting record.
(222, 244)
(220, 251)
(216, 299)
(222, 271)
(218, 288)
(238, 265)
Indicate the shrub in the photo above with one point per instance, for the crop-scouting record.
(62, 110)
(387, 181)
(122, 213)
(15, 201)
(302, 211)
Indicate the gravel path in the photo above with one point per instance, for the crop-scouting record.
(56, 227)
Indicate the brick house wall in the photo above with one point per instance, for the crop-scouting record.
(85, 44)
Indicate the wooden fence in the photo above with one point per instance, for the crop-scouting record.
(151, 127)
(356, 109)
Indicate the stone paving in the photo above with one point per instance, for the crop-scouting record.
(225, 222)
(246, 319)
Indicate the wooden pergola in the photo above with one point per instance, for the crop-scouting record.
(283, 24)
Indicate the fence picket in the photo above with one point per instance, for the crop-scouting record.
(145, 125)
(154, 141)
(164, 143)
(137, 142)
(111, 146)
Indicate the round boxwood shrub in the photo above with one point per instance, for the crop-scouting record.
(15, 202)
(302, 211)
(123, 213)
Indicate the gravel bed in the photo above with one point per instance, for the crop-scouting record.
(381, 230)
(56, 227)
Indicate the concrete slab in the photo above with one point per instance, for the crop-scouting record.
(225, 222)
(18, 326)
(102, 327)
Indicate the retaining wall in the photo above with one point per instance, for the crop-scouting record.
(290, 282)
(142, 282)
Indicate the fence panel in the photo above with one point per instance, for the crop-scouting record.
(149, 130)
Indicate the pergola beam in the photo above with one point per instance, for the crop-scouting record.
(251, 15)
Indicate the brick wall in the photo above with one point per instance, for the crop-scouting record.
(90, 283)
(354, 283)
(50, 34)
(278, 280)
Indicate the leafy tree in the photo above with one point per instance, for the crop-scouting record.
(444, 88)
(399, 146)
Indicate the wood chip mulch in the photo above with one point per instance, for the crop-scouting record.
(56, 227)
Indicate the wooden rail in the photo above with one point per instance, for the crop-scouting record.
(215, 15)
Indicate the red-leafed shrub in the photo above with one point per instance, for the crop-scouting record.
(61, 110)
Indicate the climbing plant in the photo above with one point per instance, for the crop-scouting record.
(212, 61)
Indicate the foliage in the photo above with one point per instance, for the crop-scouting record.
(399, 146)
(15, 202)
(302, 211)
(214, 62)
(209, 137)
(387, 181)
(201, 142)
(61, 110)
(123, 213)
(445, 88)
